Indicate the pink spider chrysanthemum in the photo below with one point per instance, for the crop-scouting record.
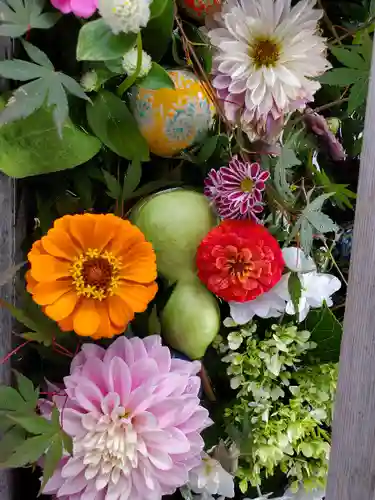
(135, 419)
(236, 190)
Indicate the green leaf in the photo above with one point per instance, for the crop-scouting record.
(33, 424)
(157, 78)
(32, 146)
(326, 332)
(157, 7)
(159, 29)
(16, 69)
(357, 96)
(342, 76)
(26, 388)
(51, 460)
(286, 161)
(67, 442)
(111, 121)
(96, 42)
(321, 221)
(295, 289)
(349, 57)
(10, 441)
(42, 337)
(20, 16)
(28, 452)
(37, 55)
(10, 399)
(25, 101)
(208, 149)
(113, 186)
(132, 179)
(10, 273)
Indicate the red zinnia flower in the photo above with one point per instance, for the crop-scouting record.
(239, 260)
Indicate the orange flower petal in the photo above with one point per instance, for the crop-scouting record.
(48, 268)
(140, 264)
(31, 283)
(106, 227)
(136, 296)
(81, 229)
(63, 223)
(36, 249)
(119, 312)
(48, 292)
(62, 307)
(106, 328)
(66, 324)
(128, 235)
(86, 319)
(58, 243)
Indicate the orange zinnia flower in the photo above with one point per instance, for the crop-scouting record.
(91, 273)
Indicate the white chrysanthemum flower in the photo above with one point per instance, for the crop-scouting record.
(127, 16)
(266, 56)
(129, 62)
(210, 478)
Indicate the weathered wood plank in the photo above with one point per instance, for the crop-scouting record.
(352, 465)
(7, 256)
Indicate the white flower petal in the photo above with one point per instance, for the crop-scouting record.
(297, 261)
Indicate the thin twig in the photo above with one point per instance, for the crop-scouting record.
(330, 104)
(329, 23)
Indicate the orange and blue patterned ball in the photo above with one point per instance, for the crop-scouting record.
(173, 120)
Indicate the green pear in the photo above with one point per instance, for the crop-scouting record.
(191, 319)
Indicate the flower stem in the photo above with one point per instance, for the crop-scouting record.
(129, 80)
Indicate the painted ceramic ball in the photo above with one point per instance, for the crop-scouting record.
(198, 9)
(172, 120)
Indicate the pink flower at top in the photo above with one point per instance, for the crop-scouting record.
(236, 190)
(134, 415)
(80, 8)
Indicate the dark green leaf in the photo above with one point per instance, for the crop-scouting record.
(25, 101)
(26, 389)
(33, 424)
(157, 7)
(132, 179)
(286, 161)
(349, 57)
(42, 337)
(295, 289)
(159, 28)
(16, 69)
(157, 78)
(10, 273)
(342, 76)
(208, 149)
(68, 442)
(153, 186)
(10, 400)
(28, 452)
(73, 87)
(51, 460)
(17, 313)
(20, 16)
(326, 332)
(111, 121)
(37, 55)
(357, 96)
(58, 102)
(32, 147)
(96, 42)
(113, 186)
(10, 441)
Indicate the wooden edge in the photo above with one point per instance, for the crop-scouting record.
(352, 463)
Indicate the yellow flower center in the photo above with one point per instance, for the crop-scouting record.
(264, 52)
(96, 274)
(247, 185)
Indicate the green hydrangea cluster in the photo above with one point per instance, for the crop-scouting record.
(288, 406)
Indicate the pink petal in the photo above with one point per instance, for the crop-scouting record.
(87, 351)
(160, 459)
(110, 403)
(73, 485)
(93, 370)
(119, 379)
(151, 342)
(173, 384)
(196, 422)
(254, 170)
(162, 356)
(188, 406)
(264, 176)
(138, 348)
(89, 396)
(166, 411)
(145, 421)
(56, 481)
(142, 371)
(170, 441)
(121, 348)
(73, 467)
(83, 8)
(72, 422)
(140, 400)
(62, 5)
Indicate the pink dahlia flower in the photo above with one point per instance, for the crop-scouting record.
(236, 190)
(135, 418)
(80, 8)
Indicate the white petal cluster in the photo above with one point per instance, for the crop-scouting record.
(267, 55)
(316, 289)
(127, 16)
(129, 62)
(210, 478)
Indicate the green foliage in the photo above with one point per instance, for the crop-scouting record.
(48, 87)
(157, 78)
(32, 146)
(326, 331)
(159, 28)
(295, 289)
(96, 42)
(29, 436)
(20, 16)
(288, 406)
(111, 121)
(286, 161)
(313, 221)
